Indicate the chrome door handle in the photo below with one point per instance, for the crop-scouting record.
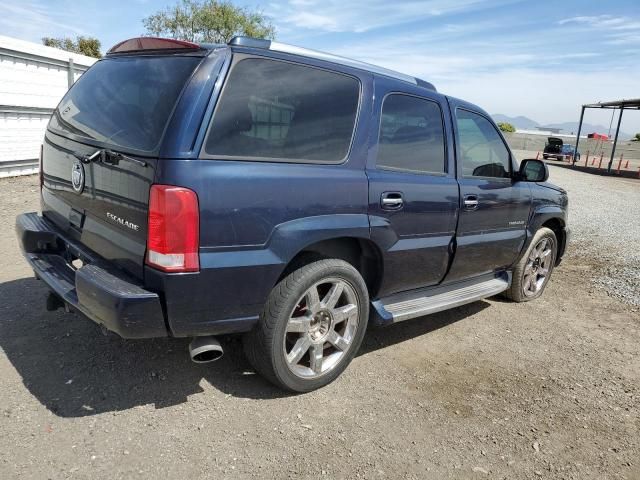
(471, 202)
(392, 201)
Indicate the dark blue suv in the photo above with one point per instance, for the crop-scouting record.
(284, 194)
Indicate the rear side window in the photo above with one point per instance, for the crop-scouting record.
(480, 147)
(282, 111)
(125, 102)
(411, 135)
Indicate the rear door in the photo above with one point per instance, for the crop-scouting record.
(413, 194)
(101, 148)
(554, 145)
(494, 206)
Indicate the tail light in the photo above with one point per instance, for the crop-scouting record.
(173, 235)
(40, 172)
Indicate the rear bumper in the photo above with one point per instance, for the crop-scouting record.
(102, 293)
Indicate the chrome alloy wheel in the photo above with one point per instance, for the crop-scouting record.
(538, 267)
(321, 328)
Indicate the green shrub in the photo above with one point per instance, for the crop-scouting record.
(506, 127)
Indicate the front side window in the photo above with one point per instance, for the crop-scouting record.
(276, 110)
(411, 135)
(480, 148)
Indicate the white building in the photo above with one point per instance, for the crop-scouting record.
(547, 133)
(33, 79)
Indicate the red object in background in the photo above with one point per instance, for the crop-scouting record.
(598, 136)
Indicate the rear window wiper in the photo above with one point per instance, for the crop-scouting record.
(109, 157)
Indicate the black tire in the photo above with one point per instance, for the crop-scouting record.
(265, 345)
(518, 291)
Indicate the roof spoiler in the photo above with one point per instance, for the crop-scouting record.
(152, 44)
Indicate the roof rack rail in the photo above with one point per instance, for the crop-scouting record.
(306, 52)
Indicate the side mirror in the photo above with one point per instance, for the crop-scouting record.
(532, 170)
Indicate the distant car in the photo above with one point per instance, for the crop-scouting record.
(557, 150)
(553, 147)
(568, 152)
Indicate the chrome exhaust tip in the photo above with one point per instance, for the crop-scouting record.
(205, 349)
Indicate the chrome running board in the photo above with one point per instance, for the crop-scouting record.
(418, 303)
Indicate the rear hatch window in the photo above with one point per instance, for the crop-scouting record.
(124, 102)
(121, 104)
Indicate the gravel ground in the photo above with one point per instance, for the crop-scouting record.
(605, 223)
(605, 226)
(547, 389)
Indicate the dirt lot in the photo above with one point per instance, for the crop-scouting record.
(548, 389)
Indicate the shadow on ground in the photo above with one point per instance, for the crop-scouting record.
(75, 370)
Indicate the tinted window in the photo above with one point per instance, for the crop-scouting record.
(125, 102)
(278, 110)
(411, 135)
(480, 147)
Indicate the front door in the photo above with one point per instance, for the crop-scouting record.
(413, 193)
(494, 208)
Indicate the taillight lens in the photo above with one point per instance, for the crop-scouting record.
(173, 237)
(40, 172)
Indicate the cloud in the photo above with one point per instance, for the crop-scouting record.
(546, 96)
(603, 21)
(452, 50)
(32, 19)
(360, 16)
(616, 30)
(314, 21)
(525, 72)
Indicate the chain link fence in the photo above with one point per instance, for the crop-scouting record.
(535, 143)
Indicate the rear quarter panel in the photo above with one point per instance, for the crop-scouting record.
(255, 216)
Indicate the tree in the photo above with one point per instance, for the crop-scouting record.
(89, 46)
(208, 21)
(506, 127)
(636, 138)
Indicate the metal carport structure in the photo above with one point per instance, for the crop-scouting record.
(622, 105)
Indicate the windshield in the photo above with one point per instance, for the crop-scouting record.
(125, 102)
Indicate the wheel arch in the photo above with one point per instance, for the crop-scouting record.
(362, 253)
(554, 218)
(557, 225)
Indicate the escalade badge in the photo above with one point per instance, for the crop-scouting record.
(122, 221)
(77, 176)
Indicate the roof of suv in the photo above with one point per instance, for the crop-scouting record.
(150, 45)
(318, 55)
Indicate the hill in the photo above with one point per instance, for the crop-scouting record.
(518, 122)
(526, 123)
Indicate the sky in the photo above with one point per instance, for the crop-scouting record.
(541, 59)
